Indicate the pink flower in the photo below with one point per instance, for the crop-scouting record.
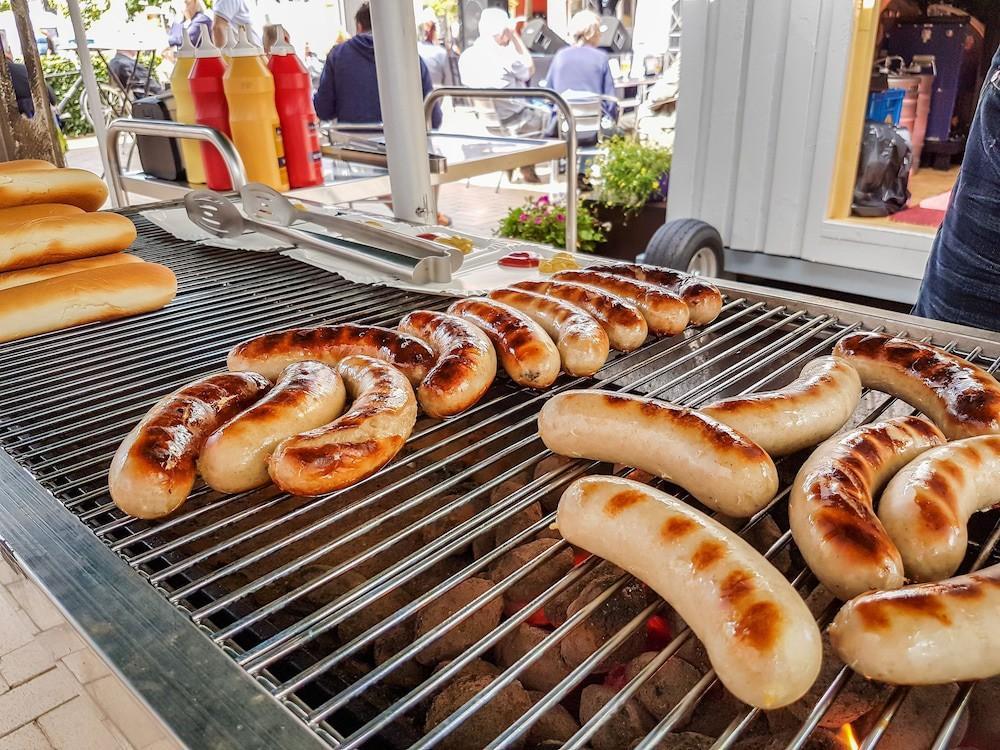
(543, 200)
(538, 219)
(522, 217)
(560, 217)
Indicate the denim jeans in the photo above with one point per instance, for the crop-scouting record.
(962, 280)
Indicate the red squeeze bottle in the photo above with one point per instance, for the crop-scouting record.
(210, 108)
(299, 124)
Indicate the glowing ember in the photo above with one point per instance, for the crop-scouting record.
(847, 738)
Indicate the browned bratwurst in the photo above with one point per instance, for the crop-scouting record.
(154, 468)
(526, 352)
(620, 319)
(271, 353)
(466, 365)
(962, 399)
(666, 314)
(704, 300)
(356, 444)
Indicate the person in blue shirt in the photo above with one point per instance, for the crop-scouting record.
(583, 67)
(348, 86)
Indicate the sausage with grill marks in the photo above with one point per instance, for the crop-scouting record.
(620, 319)
(582, 343)
(925, 634)
(830, 509)
(759, 634)
(466, 362)
(358, 443)
(960, 398)
(704, 300)
(526, 352)
(154, 468)
(306, 396)
(716, 464)
(807, 411)
(273, 352)
(926, 507)
(665, 312)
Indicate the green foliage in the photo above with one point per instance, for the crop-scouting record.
(134, 7)
(448, 9)
(543, 221)
(61, 73)
(91, 10)
(629, 173)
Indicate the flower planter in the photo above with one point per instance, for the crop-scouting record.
(628, 237)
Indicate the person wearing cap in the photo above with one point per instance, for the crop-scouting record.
(584, 67)
(348, 86)
(231, 14)
(498, 59)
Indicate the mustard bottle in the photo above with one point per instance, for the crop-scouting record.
(253, 118)
(184, 100)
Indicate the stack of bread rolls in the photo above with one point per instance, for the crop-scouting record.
(61, 261)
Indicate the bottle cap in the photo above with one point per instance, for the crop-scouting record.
(282, 46)
(205, 47)
(244, 47)
(187, 49)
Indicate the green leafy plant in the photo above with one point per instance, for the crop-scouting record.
(628, 173)
(60, 73)
(543, 221)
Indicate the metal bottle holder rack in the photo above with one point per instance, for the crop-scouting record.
(224, 616)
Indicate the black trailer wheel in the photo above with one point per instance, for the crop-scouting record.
(688, 245)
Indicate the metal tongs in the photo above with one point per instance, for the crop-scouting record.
(268, 205)
(217, 215)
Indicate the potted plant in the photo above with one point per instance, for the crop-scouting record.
(630, 190)
(542, 220)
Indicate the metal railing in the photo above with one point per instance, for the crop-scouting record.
(167, 129)
(527, 93)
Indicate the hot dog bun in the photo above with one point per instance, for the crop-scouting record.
(77, 187)
(56, 239)
(40, 273)
(25, 165)
(84, 297)
(21, 214)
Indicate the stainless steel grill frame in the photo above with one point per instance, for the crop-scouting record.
(253, 572)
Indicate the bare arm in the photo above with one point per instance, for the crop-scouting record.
(220, 31)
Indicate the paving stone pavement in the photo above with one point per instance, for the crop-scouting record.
(56, 693)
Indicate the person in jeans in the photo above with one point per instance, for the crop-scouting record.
(962, 281)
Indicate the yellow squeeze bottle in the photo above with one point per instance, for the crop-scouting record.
(253, 117)
(184, 100)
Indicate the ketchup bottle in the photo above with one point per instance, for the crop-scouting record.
(299, 124)
(210, 108)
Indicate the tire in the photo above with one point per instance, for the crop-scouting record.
(688, 245)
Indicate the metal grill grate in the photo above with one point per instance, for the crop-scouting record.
(276, 580)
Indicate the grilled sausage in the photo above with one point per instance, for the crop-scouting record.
(926, 507)
(466, 362)
(703, 299)
(830, 509)
(526, 352)
(960, 398)
(665, 312)
(760, 636)
(925, 634)
(809, 410)
(358, 443)
(273, 352)
(720, 467)
(620, 319)
(153, 470)
(582, 343)
(306, 396)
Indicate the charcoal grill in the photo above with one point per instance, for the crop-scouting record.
(223, 618)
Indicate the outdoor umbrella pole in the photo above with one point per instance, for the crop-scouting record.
(90, 83)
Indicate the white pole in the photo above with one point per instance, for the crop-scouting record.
(395, 29)
(90, 83)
